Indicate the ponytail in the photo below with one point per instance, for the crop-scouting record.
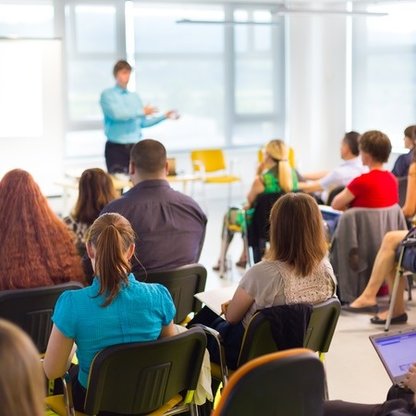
(285, 176)
(279, 152)
(112, 236)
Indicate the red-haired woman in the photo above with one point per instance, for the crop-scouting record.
(37, 249)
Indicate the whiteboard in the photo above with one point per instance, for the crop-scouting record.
(31, 108)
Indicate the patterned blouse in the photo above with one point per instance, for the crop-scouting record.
(79, 229)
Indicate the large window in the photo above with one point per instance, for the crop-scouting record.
(384, 76)
(24, 19)
(182, 66)
(225, 80)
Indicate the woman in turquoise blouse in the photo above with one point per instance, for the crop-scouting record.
(115, 309)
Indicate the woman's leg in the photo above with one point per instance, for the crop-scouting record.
(383, 267)
(226, 238)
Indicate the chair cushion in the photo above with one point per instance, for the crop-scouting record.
(222, 179)
(57, 404)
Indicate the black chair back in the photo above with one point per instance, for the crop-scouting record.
(286, 383)
(258, 339)
(333, 193)
(139, 378)
(258, 229)
(402, 182)
(32, 309)
(183, 283)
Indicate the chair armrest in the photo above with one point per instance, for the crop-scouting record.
(69, 403)
(409, 242)
(217, 337)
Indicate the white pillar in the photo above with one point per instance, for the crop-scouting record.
(316, 88)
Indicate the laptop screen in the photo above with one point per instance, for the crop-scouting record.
(397, 352)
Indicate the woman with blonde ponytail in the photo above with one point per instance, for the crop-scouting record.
(274, 174)
(115, 309)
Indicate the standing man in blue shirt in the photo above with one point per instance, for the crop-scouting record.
(124, 118)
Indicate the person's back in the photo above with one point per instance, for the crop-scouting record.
(37, 248)
(296, 268)
(170, 226)
(376, 189)
(115, 309)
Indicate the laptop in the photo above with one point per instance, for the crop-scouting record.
(397, 351)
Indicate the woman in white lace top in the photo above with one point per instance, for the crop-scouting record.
(296, 268)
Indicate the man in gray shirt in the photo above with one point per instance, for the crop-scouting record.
(169, 226)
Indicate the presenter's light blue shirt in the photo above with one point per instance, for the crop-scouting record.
(124, 116)
(137, 314)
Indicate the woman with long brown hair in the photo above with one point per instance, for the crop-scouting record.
(295, 270)
(95, 191)
(22, 382)
(36, 247)
(115, 309)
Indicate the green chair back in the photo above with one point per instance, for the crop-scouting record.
(32, 309)
(139, 378)
(183, 283)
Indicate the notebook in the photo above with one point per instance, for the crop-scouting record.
(397, 351)
(216, 297)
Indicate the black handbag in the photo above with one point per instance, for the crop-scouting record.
(409, 254)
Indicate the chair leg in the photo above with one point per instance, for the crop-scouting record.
(193, 409)
(409, 285)
(397, 277)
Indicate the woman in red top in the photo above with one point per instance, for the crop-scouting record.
(376, 189)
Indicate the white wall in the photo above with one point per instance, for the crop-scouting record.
(316, 88)
(34, 146)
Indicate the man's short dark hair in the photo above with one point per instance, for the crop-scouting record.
(351, 139)
(148, 156)
(376, 144)
(121, 64)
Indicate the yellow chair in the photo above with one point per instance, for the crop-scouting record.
(210, 165)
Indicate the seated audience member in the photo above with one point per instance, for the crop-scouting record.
(376, 189)
(384, 265)
(95, 191)
(274, 175)
(125, 310)
(37, 248)
(400, 406)
(401, 166)
(295, 270)
(352, 167)
(170, 225)
(22, 382)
